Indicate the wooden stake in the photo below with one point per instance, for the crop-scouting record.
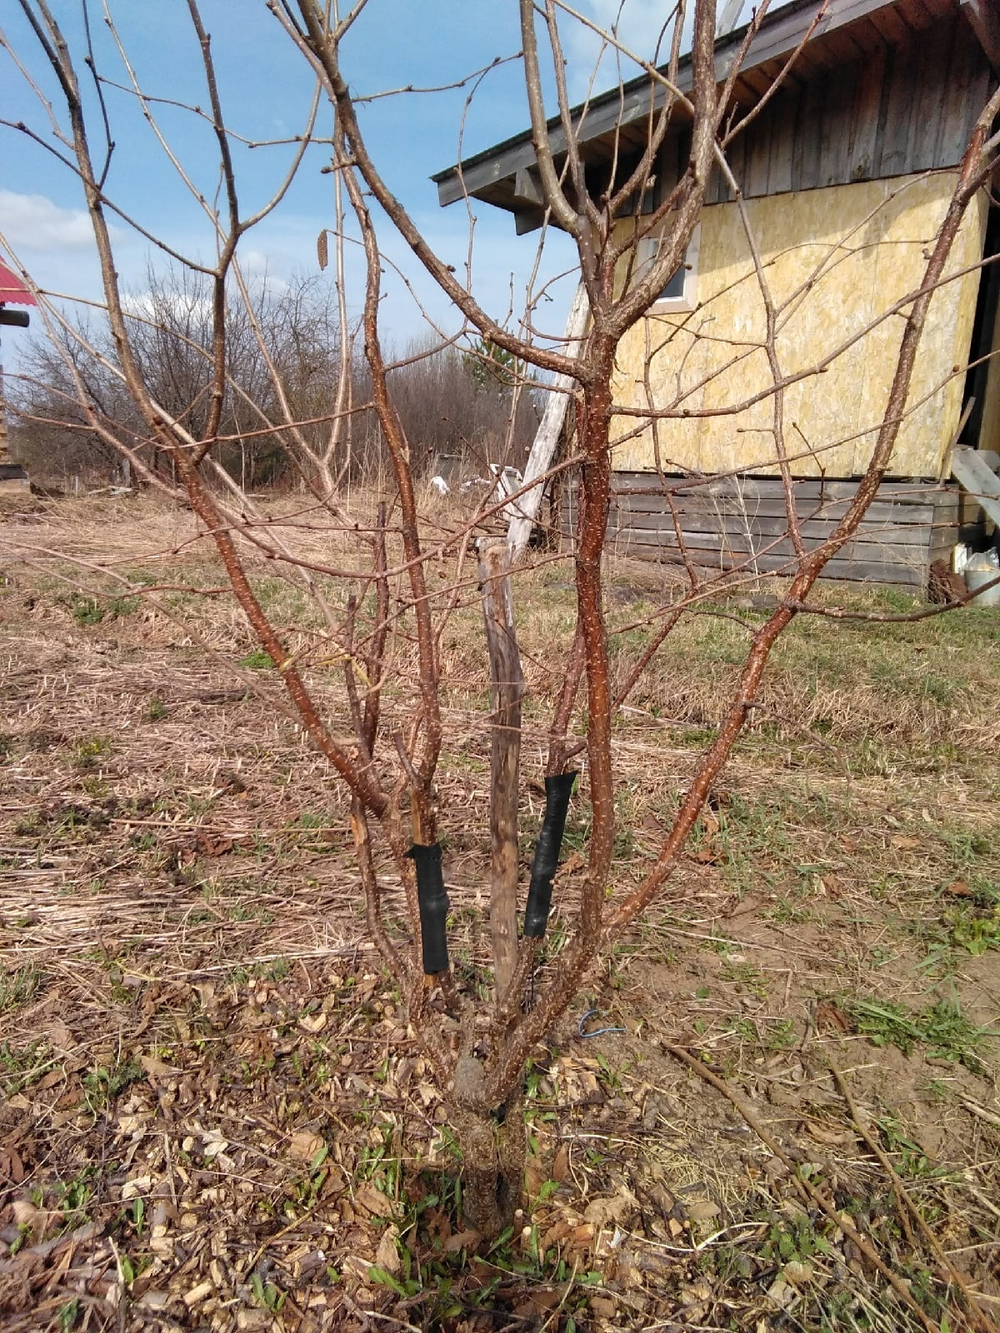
(526, 506)
(505, 759)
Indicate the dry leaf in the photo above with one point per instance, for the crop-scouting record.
(560, 1165)
(11, 1166)
(571, 865)
(304, 1145)
(958, 889)
(313, 1023)
(157, 1067)
(461, 1240)
(707, 855)
(387, 1254)
(825, 1134)
(697, 1291)
(138, 1187)
(829, 1015)
(702, 1210)
(602, 1307)
(373, 1201)
(602, 1212)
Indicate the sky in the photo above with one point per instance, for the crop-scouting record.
(266, 88)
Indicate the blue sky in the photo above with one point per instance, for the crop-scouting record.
(266, 88)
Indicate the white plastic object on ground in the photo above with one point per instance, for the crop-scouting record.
(980, 570)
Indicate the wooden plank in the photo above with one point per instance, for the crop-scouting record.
(897, 104)
(764, 530)
(889, 24)
(868, 37)
(780, 35)
(980, 85)
(965, 90)
(865, 116)
(736, 157)
(743, 540)
(808, 136)
(978, 478)
(814, 511)
(835, 137)
(915, 14)
(841, 49)
(783, 121)
(927, 94)
(756, 80)
(839, 568)
(754, 179)
(747, 488)
(547, 437)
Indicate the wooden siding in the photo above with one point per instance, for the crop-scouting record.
(836, 260)
(905, 107)
(738, 524)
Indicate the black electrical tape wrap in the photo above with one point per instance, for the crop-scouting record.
(547, 849)
(433, 902)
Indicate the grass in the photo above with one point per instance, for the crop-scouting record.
(19, 987)
(942, 1029)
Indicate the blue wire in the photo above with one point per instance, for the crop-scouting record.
(597, 1032)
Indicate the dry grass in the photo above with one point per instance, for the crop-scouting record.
(213, 1116)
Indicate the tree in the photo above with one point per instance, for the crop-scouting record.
(387, 744)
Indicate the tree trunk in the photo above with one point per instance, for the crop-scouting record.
(492, 1143)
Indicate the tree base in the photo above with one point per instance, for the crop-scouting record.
(492, 1144)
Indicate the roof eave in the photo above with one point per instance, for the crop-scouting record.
(780, 34)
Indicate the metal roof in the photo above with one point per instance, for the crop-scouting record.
(12, 289)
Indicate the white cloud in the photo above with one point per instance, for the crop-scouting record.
(34, 222)
(183, 308)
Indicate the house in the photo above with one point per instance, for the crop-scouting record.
(846, 170)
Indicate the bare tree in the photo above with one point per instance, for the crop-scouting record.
(387, 744)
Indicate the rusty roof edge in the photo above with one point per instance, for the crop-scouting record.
(780, 33)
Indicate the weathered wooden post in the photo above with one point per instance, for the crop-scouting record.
(505, 758)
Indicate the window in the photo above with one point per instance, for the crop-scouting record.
(681, 291)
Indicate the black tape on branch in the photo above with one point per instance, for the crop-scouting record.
(433, 902)
(547, 849)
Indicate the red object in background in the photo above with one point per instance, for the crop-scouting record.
(12, 289)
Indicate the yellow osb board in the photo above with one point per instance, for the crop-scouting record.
(835, 260)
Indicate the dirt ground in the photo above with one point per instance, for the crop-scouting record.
(213, 1116)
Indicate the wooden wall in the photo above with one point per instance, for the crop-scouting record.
(738, 524)
(907, 104)
(901, 108)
